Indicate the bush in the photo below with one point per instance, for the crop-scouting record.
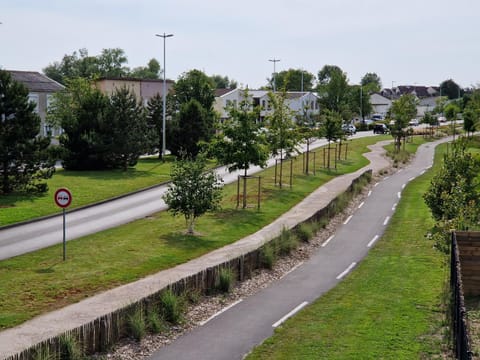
(136, 324)
(69, 348)
(268, 256)
(226, 279)
(305, 231)
(172, 307)
(43, 354)
(287, 242)
(155, 322)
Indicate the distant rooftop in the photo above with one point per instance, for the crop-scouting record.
(35, 81)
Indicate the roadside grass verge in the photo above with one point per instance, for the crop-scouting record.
(390, 307)
(38, 282)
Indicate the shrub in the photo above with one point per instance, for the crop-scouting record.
(287, 242)
(172, 307)
(268, 256)
(69, 348)
(225, 280)
(155, 322)
(43, 354)
(305, 231)
(136, 324)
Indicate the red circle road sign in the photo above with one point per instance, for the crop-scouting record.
(63, 197)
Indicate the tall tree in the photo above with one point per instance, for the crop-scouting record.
(24, 160)
(359, 101)
(371, 83)
(193, 125)
(294, 80)
(193, 190)
(240, 144)
(333, 88)
(223, 82)
(128, 129)
(450, 89)
(111, 63)
(195, 85)
(151, 71)
(403, 110)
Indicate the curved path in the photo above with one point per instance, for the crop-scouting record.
(17, 240)
(233, 333)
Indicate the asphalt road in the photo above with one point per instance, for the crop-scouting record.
(236, 330)
(36, 235)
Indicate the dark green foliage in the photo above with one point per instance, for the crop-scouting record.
(294, 80)
(371, 83)
(155, 322)
(305, 231)
(194, 124)
(268, 256)
(226, 280)
(450, 89)
(223, 82)
(70, 349)
(195, 85)
(287, 242)
(24, 156)
(172, 307)
(137, 325)
(402, 111)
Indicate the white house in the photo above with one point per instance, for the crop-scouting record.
(380, 104)
(298, 102)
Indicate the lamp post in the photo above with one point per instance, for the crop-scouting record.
(274, 73)
(164, 36)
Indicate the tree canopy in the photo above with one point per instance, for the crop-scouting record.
(194, 84)
(371, 83)
(223, 82)
(109, 63)
(24, 159)
(450, 89)
(333, 88)
(403, 110)
(294, 80)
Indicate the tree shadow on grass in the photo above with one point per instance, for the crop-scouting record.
(181, 240)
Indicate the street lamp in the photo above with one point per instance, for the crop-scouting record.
(164, 36)
(274, 73)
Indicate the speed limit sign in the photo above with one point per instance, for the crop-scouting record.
(63, 197)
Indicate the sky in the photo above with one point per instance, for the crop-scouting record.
(408, 42)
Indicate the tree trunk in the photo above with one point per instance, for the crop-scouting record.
(190, 219)
(308, 154)
(245, 189)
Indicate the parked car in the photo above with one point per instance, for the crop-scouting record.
(380, 129)
(413, 122)
(377, 117)
(349, 129)
(442, 119)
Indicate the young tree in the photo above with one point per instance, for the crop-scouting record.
(451, 110)
(24, 160)
(471, 114)
(128, 130)
(282, 136)
(307, 133)
(331, 129)
(193, 191)
(403, 110)
(240, 144)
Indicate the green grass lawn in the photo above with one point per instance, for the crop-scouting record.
(38, 282)
(390, 307)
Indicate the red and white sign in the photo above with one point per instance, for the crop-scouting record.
(63, 197)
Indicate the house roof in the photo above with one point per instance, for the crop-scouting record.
(35, 81)
(221, 92)
(133, 79)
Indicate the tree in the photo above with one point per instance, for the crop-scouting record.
(430, 120)
(371, 83)
(24, 159)
(450, 89)
(333, 88)
(128, 138)
(307, 132)
(193, 125)
(359, 101)
(193, 191)
(331, 129)
(403, 110)
(223, 82)
(240, 143)
(195, 85)
(281, 137)
(451, 110)
(151, 71)
(155, 124)
(294, 80)
(471, 114)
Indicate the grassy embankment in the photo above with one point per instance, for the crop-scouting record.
(390, 307)
(38, 282)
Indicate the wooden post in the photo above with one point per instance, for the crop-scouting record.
(259, 189)
(291, 172)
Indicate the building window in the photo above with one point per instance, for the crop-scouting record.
(34, 98)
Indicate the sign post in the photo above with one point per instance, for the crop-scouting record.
(63, 199)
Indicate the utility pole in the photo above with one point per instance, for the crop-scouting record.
(274, 73)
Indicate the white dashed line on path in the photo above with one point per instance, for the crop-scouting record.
(347, 270)
(220, 312)
(290, 314)
(328, 240)
(375, 238)
(348, 219)
(386, 220)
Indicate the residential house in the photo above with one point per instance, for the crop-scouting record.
(143, 89)
(298, 102)
(380, 104)
(40, 91)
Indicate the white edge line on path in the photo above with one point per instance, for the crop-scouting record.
(348, 219)
(399, 194)
(411, 178)
(403, 186)
(386, 220)
(292, 269)
(376, 184)
(394, 207)
(369, 193)
(328, 240)
(347, 270)
(290, 314)
(375, 238)
(422, 172)
(220, 312)
(361, 204)
(386, 178)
